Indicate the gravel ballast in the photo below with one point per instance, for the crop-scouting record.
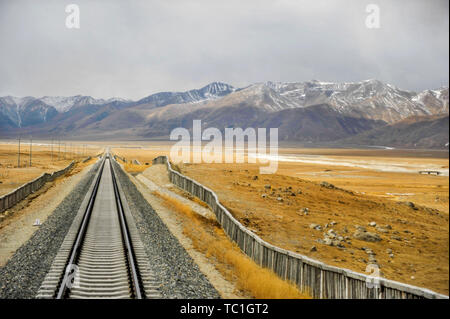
(178, 274)
(23, 274)
(173, 268)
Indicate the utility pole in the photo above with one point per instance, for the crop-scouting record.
(18, 158)
(31, 147)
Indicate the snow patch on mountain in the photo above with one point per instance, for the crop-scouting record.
(369, 98)
(63, 104)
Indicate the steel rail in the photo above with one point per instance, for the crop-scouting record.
(132, 269)
(134, 272)
(80, 237)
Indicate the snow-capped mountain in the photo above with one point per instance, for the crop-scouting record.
(312, 110)
(264, 96)
(433, 101)
(64, 104)
(26, 111)
(212, 91)
(14, 109)
(371, 99)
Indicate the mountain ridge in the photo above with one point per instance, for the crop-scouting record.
(303, 110)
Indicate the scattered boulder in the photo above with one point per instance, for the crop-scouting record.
(331, 233)
(327, 185)
(255, 178)
(372, 224)
(299, 191)
(279, 199)
(381, 229)
(411, 204)
(315, 226)
(331, 238)
(313, 248)
(267, 186)
(366, 236)
(395, 237)
(264, 195)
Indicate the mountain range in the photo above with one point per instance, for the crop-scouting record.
(367, 113)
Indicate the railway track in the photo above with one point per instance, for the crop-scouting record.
(102, 255)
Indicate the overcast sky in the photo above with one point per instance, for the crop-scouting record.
(132, 48)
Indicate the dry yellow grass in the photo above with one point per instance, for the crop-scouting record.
(134, 168)
(131, 167)
(43, 161)
(209, 238)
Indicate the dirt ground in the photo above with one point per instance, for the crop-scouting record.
(418, 237)
(43, 160)
(369, 186)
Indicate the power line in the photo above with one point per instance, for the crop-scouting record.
(31, 147)
(18, 158)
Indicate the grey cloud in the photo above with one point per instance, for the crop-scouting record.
(135, 48)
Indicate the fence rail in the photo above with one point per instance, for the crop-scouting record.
(312, 276)
(9, 200)
(123, 159)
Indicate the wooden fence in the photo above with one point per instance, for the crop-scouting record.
(312, 276)
(123, 159)
(9, 200)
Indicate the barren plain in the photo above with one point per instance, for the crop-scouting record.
(318, 203)
(321, 200)
(45, 158)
